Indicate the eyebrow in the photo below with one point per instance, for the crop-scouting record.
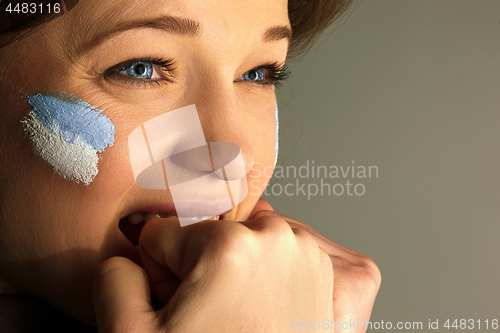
(277, 33)
(171, 24)
(180, 26)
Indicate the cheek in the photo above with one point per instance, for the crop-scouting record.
(68, 133)
(53, 201)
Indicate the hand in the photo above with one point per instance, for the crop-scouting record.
(217, 276)
(357, 278)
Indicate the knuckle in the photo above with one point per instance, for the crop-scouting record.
(371, 272)
(326, 265)
(364, 276)
(272, 224)
(276, 231)
(364, 280)
(241, 246)
(231, 244)
(306, 238)
(310, 247)
(374, 270)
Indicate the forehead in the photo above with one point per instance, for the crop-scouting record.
(228, 20)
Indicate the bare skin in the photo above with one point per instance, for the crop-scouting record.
(54, 232)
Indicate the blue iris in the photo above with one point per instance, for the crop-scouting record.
(140, 69)
(255, 75)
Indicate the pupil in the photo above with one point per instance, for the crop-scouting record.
(140, 69)
(252, 75)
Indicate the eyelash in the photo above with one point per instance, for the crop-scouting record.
(164, 65)
(277, 72)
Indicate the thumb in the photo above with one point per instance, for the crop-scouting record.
(122, 297)
(260, 208)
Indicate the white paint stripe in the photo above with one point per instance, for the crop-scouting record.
(74, 161)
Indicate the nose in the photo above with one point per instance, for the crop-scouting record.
(226, 134)
(192, 149)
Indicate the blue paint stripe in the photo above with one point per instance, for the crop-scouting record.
(74, 118)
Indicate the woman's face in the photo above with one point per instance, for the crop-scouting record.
(55, 231)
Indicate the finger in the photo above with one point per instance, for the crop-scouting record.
(122, 297)
(164, 282)
(261, 205)
(322, 241)
(357, 281)
(268, 212)
(166, 254)
(352, 303)
(170, 252)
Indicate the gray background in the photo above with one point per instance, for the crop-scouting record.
(412, 87)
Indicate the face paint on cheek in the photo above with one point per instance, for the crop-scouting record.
(277, 136)
(68, 133)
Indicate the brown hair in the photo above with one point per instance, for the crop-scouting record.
(309, 18)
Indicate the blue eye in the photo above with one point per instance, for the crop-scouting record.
(254, 75)
(266, 75)
(139, 69)
(141, 72)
